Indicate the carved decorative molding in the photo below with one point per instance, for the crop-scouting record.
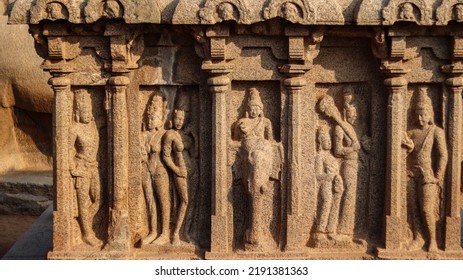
(305, 12)
(215, 11)
(407, 10)
(449, 10)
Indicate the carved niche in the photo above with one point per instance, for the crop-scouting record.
(87, 158)
(256, 171)
(409, 11)
(215, 11)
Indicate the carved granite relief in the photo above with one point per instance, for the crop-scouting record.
(238, 129)
(427, 161)
(85, 157)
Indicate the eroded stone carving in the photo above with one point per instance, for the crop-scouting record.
(449, 10)
(330, 188)
(296, 11)
(346, 147)
(179, 148)
(156, 182)
(215, 11)
(109, 9)
(56, 11)
(84, 142)
(425, 144)
(414, 10)
(261, 161)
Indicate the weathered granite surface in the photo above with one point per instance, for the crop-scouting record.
(237, 129)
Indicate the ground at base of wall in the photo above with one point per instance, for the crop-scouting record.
(12, 227)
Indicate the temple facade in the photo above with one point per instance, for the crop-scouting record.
(263, 129)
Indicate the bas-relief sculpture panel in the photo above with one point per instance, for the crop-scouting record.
(87, 161)
(310, 150)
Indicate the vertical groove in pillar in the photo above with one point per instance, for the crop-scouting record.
(62, 116)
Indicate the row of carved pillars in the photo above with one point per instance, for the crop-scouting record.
(220, 85)
(396, 193)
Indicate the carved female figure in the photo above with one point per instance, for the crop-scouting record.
(84, 142)
(346, 147)
(178, 150)
(425, 144)
(330, 186)
(158, 173)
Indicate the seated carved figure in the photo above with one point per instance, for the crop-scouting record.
(260, 161)
(427, 150)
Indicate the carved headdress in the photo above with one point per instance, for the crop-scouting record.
(157, 105)
(424, 102)
(182, 103)
(254, 98)
(81, 100)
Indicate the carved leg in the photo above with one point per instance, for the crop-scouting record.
(191, 214)
(326, 198)
(414, 216)
(151, 207)
(83, 204)
(430, 211)
(338, 190)
(182, 191)
(95, 192)
(349, 174)
(161, 187)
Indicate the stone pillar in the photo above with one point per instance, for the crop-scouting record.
(396, 195)
(300, 60)
(62, 119)
(221, 227)
(294, 87)
(119, 216)
(452, 214)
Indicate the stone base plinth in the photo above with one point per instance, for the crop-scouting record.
(418, 255)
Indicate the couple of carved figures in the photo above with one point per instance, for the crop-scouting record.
(161, 150)
(337, 183)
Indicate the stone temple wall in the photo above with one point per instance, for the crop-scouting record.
(239, 129)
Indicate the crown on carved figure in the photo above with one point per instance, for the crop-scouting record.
(423, 101)
(254, 98)
(81, 97)
(156, 105)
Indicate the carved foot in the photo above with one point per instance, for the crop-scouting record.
(91, 240)
(322, 240)
(177, 242)
(432, 247)
(148, 239)
(416, 244)
(162, 240)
